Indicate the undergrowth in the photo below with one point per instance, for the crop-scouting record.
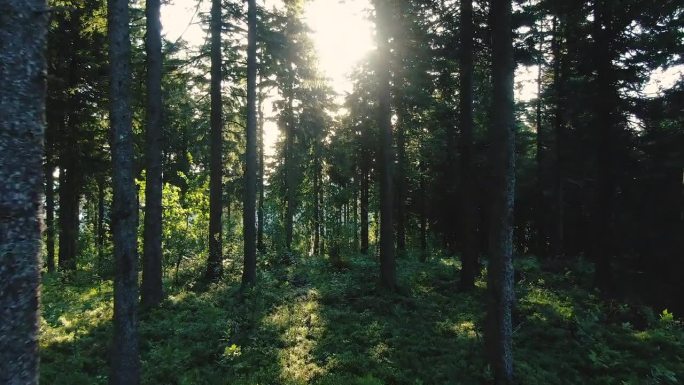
(312, 322)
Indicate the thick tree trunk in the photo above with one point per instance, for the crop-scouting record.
(151, 289)
(23, 30)
(215, 260)
(500, 271)
(125, 362)
(468, 194)
(387, 259)
(249, 205)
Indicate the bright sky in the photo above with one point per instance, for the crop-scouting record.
(343, 35)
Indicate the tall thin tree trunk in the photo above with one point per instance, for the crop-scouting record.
(387, 260)
(364, 203)
(317, 207)
(289, 169)
(23, 36)
(50, 207)
(260, 183)
(468, 193)
(100, 220)
(401, 185)
(125, 362)
(151, 289)
(541, 206)
(69, 160)
(602, 250)
(423, 215)
(500, 271)
(559, 136)
(69, 199)
(249, 207)
(215, 260)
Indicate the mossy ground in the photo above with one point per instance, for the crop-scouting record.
(314, 323)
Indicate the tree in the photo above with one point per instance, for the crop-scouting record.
(468, 193)
(502, 158)
(215, 260)
(249, 208)
(151, 288)
(125, 362)
(23, 37)
(387, 262)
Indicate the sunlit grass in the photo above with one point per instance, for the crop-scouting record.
(313, 323)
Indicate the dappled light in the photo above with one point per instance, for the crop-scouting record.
(341, 192)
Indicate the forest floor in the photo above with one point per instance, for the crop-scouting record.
(314, 323)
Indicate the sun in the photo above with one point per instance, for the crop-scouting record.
(342, 35)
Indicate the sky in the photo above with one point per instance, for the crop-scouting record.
(343, 36)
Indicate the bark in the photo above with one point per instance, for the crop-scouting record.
(260, 183)
(125, 361)
(423, 215)
(215, 260)
(401, 186)
(541, 206)
(23, 30)
(100, 220)
(364, 203)
(602, 248)
(468, 194)
(559, 133)
(317, 207)
(289, 170)
(69, 197)
(249, 208)
(387, 258)
(502, 156)
(69, 161)
(50, 208)
(151, 289)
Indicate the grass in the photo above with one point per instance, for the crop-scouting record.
(312, 323)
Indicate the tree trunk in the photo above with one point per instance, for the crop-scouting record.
(387, 260)
(468, 194)
(401, 185)
(364, 203)
(423, 215)
(249, 208)
(602, 250)
(23, 34)
(100, 220)
(69, 197)
(260, 183)
(125, 362)
(502, 156)
(559, 133)
(50, 206)
(215, 260)
(151, 290)
(317, 207)
(541, 206)
(289, 169)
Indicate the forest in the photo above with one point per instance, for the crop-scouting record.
(220, 213)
